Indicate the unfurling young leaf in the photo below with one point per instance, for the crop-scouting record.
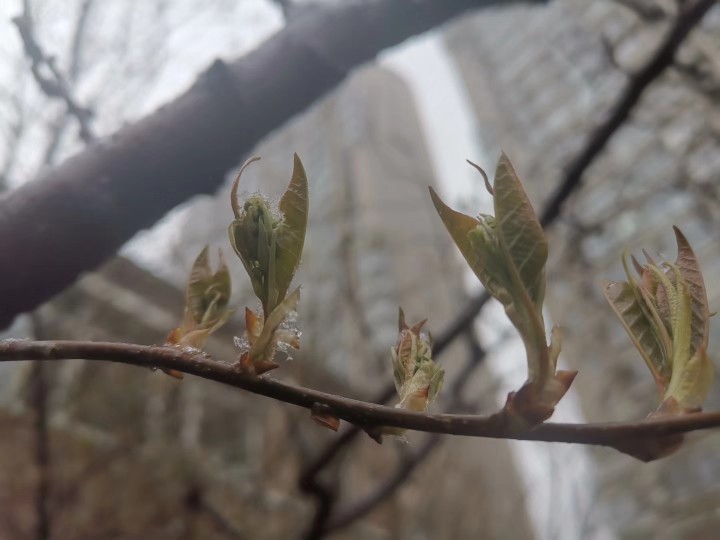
(664, 310)
(265, 337)
(206, 305)
(269, 243)
(418, 379)
(508, 253)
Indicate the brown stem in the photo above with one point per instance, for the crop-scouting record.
(365, 414)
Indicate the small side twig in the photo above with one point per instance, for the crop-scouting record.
(49, 78)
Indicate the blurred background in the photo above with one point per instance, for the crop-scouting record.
(100, 451)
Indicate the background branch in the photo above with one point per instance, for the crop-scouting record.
(689, 16)
(48, 76)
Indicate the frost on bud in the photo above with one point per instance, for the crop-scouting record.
(265, 336)
(417, 378)
(206, 305)
(508, 253)
(269, 242)
(664, 309)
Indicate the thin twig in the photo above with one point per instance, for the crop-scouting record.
(53, 85)
(691, 13)
(74, 70)
(354, 411)
(196, 503)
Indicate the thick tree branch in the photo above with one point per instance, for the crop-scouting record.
(78, 214)
(368, 415)
(690, 14)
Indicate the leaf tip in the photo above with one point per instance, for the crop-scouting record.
(488, 186)
(233, 192)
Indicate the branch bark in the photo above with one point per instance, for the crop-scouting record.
(367, 415)
(78, 214)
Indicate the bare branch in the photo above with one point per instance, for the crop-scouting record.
(615, 435)
(52, 84)
(689, 16)
(75, 67)
(648, 12)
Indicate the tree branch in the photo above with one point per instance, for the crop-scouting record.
(53, 86)
(367, 415)
(76, 215)
(690, 15)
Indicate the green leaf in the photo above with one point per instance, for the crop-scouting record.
(253, 239)
(264, 347)
(207, 294)
(460, 226)
(691, 385)
(291, 232)
(206, 305)
(270, 245)
(508, 253)
(417, 378)
(666, 316)
(682, 323)
(690, 269)
(521, 235)
(627, 307)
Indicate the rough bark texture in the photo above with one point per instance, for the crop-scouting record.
(76, 215)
